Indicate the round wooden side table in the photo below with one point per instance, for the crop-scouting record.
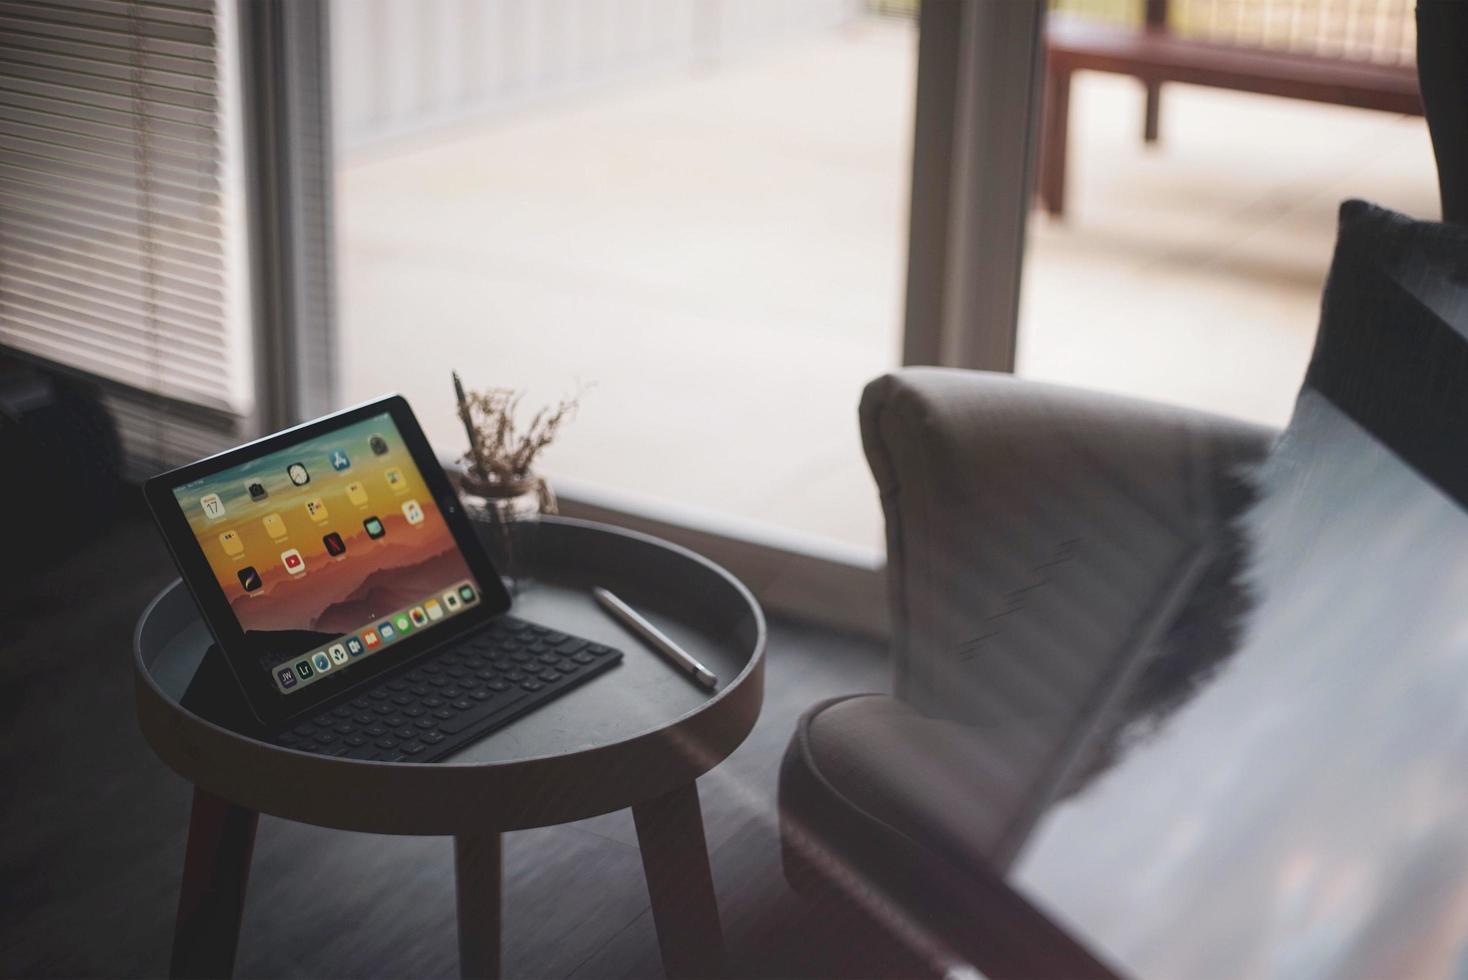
(637, 736)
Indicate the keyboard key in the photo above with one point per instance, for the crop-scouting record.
(362, 718)
(360, 703)
(407, 731)
(384, 708)
(549, 658)
(402, 699)
(412, 748)
(378, 694)
(432, 668)
(438, 680)
(521, 657)
(599, 650)
(462, 704)
(375, 731)
(414, 711)
(342, 712)
(549, 675)
(515, 675)
(455, 671)
(355, 740)
(426, 723)
(566, 667)
(481, 712)
(432, 703)
(531, 685)
(419, 690)
(497, 686)
(481, 694)
(304, 730)
(554, 637)
(345, 728)
(325, 738)
(397, 686)
(393, 721)
(583, 658)
(443, 714)
(386, 743)
(433, 738)
(570, 645)
(451, 693)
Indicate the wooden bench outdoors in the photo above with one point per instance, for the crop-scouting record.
(1154, 53)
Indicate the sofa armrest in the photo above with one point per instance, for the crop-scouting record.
(1036, 536)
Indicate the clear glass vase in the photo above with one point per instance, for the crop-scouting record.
(512, 513)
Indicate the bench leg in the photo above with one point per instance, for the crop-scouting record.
(478, 883)
(1153, 111)
(1053, 141)
(675, 859)
(211, 898)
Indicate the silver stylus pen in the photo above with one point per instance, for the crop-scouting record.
(655, 638)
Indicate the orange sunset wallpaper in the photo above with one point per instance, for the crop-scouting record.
(325, 535)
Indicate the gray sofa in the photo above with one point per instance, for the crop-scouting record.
(1034, 532)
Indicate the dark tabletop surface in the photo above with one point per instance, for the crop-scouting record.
(691, 601)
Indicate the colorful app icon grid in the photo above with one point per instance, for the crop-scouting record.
(299, 672)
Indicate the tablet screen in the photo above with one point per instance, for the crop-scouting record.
(329, 551)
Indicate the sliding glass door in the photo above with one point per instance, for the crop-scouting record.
(691, 215)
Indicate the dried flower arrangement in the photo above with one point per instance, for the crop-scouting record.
(501, 454)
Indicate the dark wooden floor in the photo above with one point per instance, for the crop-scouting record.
(92, 826)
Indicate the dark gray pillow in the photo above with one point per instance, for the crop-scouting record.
(1392, 352)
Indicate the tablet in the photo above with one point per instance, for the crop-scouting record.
(326, 554)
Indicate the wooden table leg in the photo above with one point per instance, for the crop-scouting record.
(1153, 113)
(675, 859)
(478, 873)
(1054, 140)
(212, 896)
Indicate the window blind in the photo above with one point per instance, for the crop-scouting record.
(112, 247)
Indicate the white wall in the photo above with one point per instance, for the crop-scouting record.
(403, 66)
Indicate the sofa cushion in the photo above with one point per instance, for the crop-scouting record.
(937, 782)
(1035, 536)
(896, 812)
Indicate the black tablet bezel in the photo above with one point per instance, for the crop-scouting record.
(273, 708)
